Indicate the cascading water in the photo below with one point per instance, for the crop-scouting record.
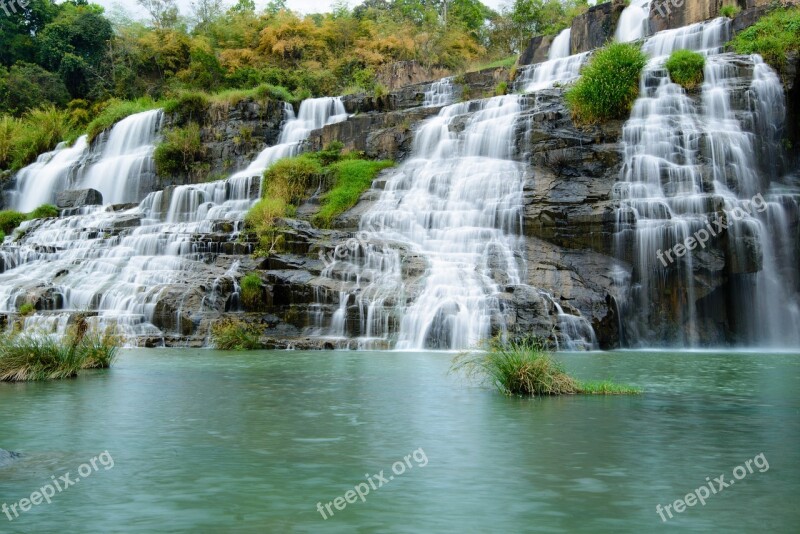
(439, 93)
(122, 171)
(456, 203)
(688, 165)
(634, 22)
(560, 67)
(121, 265)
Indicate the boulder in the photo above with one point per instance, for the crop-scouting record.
(77, 198)
(537, 50)
(595, 27)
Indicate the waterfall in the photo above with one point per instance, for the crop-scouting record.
(120, 265)
(37, 183)
(122, 171)
(125, 170)
(543, 75)
(439, 93)
(634, 22)
(456, 204)
(559, 48)
(689, 165)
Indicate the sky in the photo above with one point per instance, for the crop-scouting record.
(303, 6)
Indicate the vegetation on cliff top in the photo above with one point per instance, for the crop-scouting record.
(10, 219)
(526, 368)
(686, 68)
(94, 70)
(773, 37)
(609, 84)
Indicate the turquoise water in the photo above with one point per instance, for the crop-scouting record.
(206, 441)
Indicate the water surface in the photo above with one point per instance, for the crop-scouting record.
(207, 441)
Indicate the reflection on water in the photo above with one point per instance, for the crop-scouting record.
(206, 441)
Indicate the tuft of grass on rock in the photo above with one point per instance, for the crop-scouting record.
(350, 179)
(234, 334)
(773, 37)
(686, 68)
(28, 357)
(609, 84)
(527, 368)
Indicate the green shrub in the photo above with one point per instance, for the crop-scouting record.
(189, 106)
(10, 130)
(251, 285)
(27, 357)
(114, 111)
(350, 179)
(45, 211)
(501, 89)
(289, 179)
(686, 68)
(260, 220)
(730, 11)
(180, 151)
(43, 128)
(609, 84)
(274, 92)
(233, 334)
(772, 37)
(26, 309)
(10, 219)
(526, 368)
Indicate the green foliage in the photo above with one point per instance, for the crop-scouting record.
(350, 179)
(114, 111)
(10, 219)
(289, 179)
(686, 68)
(501, 89)
(44, 211)
(189, 106)
(772, 37)
(260, 220)
(730, 11)
(609, 84)
(233, 334)
(251, 285)
(526, 368)
(26, 309)
(180, 151)
(274, 92)
(41, 130)
(28, 357)
(25, 86)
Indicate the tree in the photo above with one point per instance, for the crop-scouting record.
(206, 12)
(243, 7)
(163, 12)
(276, 6)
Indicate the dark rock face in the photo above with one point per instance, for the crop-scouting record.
(232, 137)
(403, 73)
(595, 27)
(78, 198)
(537, 50)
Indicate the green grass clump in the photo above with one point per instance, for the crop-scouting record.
(290, 178)
(26, 309)
(233, 334)
(29, 357)
(350, 179)
(772, 37)
(116, 110)
(45, 211)
(251, 285)
(730, 11)
(609, 84)
(10, 219)
(686, 68)
(526, 368)
(180, 151)
(189, 106)
(506, 62)
(10, 131)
